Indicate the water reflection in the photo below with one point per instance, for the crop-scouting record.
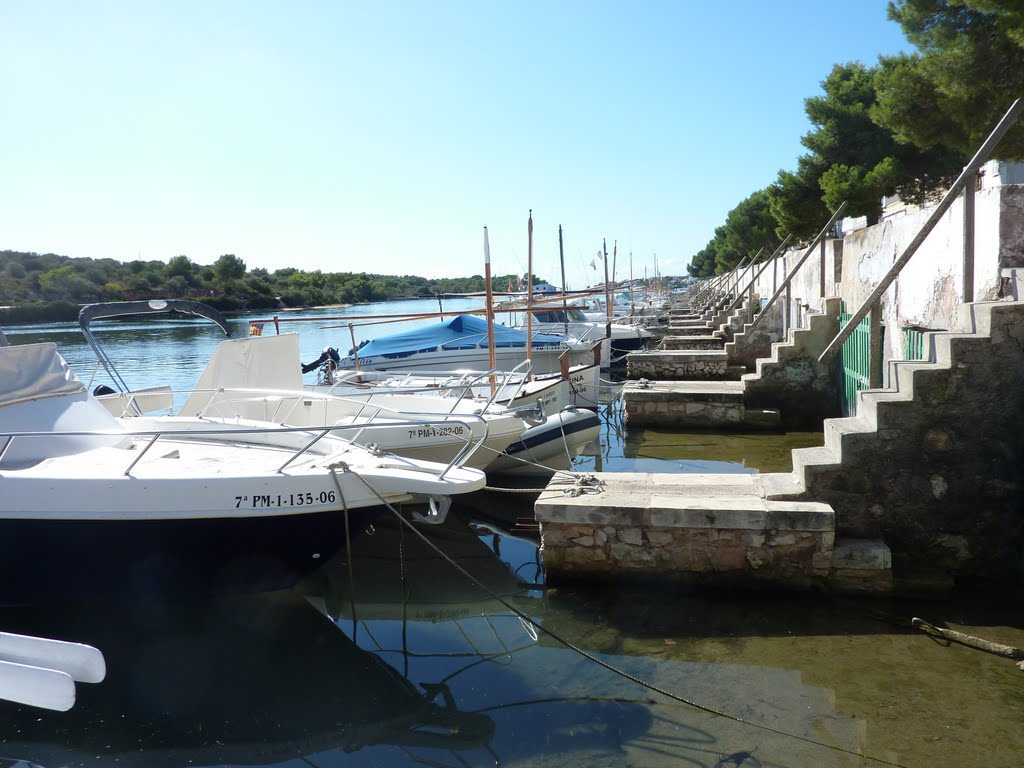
(390, 657)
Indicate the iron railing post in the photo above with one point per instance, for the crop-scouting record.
(800, 261)
(875, 347)
(969, 189)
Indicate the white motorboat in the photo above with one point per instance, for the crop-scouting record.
(93, 505)
(578, 385)
(260, 377)
(551, 446)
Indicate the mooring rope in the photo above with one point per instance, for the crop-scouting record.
(604, 664)
(348, 537)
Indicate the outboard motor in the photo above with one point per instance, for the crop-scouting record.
(329, 357)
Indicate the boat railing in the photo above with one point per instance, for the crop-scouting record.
(287, 403)
(467, 385)
(189, 428)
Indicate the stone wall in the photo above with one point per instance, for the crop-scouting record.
(792, 380)
(941, 480)
(662, 412)
(722, 556)
(677, 365)
(691, 342)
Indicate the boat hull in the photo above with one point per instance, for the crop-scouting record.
(549, 447)
(47, 561)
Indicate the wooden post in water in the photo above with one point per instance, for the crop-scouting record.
(969, 189)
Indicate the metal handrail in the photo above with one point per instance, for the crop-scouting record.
(449, 383)
(736, 302)
(185, 432)
(317, 433)
(785, 283)
(739, 279)
(980, 157)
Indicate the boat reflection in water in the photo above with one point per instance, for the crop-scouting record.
(260, 680)
(393, 657)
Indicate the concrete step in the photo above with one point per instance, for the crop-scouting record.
(713, 529)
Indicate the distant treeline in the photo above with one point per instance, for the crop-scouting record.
(50, 288)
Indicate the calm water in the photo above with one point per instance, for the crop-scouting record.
(390, 656)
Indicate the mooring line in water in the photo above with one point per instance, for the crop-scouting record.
(604, 664)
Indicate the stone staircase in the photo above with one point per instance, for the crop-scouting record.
(700, 388)
(934, 463)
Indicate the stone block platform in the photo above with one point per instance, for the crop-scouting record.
(694, 405)
(717, 530)
(678, 364)
(692, 342)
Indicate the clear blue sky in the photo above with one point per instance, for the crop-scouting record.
(383, 136)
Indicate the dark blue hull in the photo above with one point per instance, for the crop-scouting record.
(50, 561)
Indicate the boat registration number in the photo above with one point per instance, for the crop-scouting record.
(273, 500)
(443, 431)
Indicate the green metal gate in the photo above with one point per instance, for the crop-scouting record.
(856, 357)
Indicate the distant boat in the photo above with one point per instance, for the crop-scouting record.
(461, 343)
(93, 505)
(617, 339)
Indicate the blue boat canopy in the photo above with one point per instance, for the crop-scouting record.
(461, 332)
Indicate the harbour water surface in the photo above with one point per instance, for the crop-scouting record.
(391, 655)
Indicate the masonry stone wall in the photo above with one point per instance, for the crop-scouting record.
(651, 365)
(669, 413)
(805, 390)
(941, 481)
(719, 555)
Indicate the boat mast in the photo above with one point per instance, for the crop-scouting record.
(607, 290)
(490, 302)
(632, 298)
(529, 286)
(561, 261)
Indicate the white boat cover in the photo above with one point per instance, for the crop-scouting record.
(34, 371)
(40, 394)
(255, 362)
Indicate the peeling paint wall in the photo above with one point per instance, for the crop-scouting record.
(928, 291)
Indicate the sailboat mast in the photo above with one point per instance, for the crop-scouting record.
(633, 305)
(561, 261)
(607, 290)
(529, 287)
(490, 302)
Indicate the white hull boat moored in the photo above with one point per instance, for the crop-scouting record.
(92, 505)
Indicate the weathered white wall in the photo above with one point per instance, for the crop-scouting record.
(928, 290)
